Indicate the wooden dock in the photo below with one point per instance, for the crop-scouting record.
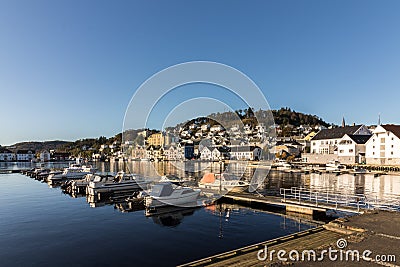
(247, 256)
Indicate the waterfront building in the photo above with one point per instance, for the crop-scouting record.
(6, 154)
(383, 148)
(45, 156)
(324, 145)
(138, 152)
(351, 148)
(25, 155)
(245, 153)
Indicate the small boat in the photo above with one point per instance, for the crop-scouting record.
(77, 185)
(226, 183)
(121, 182)
(168, 194)
(284, 167)
(334, 166)
(75, 171)
(359, 170)
(173, 179)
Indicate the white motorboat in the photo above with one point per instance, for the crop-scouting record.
(121, 182)
(75, 171)
(226, 183)
(169, 194)
(173, 179)
(76, 185)
(334, 166)
(284, 166)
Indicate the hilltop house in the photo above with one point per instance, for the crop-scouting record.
(6, 155)
(383, 147)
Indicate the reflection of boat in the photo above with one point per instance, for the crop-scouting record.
(284, 166)
(334, 165)
(170, 216)
(121, 182)
(227, 183)
(75, 171)
(166, 193)
(130, 206)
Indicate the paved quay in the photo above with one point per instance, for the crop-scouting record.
(376, 231)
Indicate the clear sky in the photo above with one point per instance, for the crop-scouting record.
(69, 68)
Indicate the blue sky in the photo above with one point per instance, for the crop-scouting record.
(69, 68)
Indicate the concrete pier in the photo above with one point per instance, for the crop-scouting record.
(377, 232)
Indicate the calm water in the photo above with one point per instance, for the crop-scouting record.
(41, 226)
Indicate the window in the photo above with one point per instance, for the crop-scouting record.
(335, 142)
(373, 146)
(383, 140)
(391, 153)
(373, 153)
(382, 147)
(351, 150)
(341, 151)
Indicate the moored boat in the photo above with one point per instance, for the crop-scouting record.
(168, 194)
(121, 182)
(224, 182)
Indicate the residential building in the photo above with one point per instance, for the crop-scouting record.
(351, 148)
(45, 156)
(25, 155)
(325, 145)
(245, 152)
(326, 140)
(6, 154)
(383, 148)
(159, 139)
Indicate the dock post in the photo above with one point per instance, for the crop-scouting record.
(336, 202)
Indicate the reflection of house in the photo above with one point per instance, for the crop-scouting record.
(60, 156)
(384, 146)
(351, 148)
(6, 155)
(25, 155)
(245, 152)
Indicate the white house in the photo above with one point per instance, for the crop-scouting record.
(383, 148)
(326, 140)
(45, 156)
(245, 152)
(6, 155)
(25, 155)
(351, 148)
(206, 153)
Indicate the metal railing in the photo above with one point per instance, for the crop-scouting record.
(336, 200)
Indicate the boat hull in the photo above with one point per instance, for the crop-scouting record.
(188, 200)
